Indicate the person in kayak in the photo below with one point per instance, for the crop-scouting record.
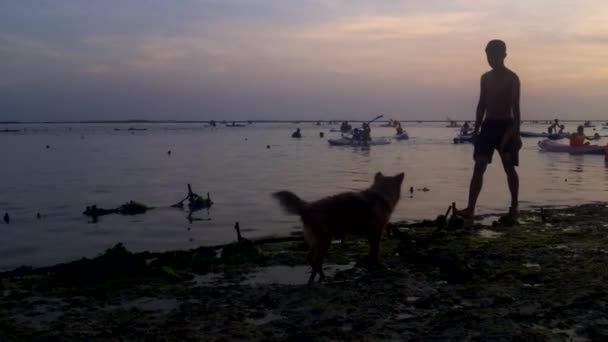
(296, 134)
(578, 139)
(399, 129)
(553, 127)
(345, 127)
(464, 130)
(356, 135)
(498, 117)
(366, 132)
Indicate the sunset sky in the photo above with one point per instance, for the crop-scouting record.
(304, 59)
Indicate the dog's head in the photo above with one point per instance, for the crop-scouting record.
(390, 186)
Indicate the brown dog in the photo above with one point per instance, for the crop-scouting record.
(361, 213)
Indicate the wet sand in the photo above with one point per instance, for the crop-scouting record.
(544, 279)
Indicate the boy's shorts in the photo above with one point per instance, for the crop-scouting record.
(490, 137)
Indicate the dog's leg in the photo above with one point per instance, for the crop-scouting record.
(322, 254)
(374, 246)
(310, 259)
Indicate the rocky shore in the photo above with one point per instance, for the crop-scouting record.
(544, 279)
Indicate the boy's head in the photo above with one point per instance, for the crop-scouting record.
(496, 51)
(580, 129)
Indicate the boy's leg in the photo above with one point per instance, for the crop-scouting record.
(509, 161)
(481, 164)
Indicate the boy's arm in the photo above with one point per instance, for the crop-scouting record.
(515, 105)
(481, 107)
(514, 130)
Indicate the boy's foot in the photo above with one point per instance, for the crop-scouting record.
(465, 213)
(513, 213)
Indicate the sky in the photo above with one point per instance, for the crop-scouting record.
(63, 60)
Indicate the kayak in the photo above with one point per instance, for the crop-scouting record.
(337, 130)
(552, 136)
(350, 142)
(552, 146)
(402, 136)
(460, 138)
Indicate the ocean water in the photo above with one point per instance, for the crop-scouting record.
(89, 164)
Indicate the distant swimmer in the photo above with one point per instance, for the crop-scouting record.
(577, 139)
(296, 134)
(7, 218)
(553, 127)
(498, 117)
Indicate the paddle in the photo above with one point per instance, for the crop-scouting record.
(369, 122)
(376, 118)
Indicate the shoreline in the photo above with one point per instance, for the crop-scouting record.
(544, 279)
(241, 121)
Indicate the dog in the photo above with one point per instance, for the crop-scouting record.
(359, 213)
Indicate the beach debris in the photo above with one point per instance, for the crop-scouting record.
(133, 208)
(195, 201)
(321, 134)
(239, 237)
(425, 189)
(129, 208)
(7, 219)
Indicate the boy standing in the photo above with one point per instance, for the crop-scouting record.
(498, 117)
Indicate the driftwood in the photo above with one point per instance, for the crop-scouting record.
(195, 201)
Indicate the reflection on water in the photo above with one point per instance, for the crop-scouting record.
(94, 164)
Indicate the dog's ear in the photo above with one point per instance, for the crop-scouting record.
(378, 176)
(400, 177)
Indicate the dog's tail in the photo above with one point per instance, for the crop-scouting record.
(290, 202)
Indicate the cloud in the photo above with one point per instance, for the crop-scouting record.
(381, 28)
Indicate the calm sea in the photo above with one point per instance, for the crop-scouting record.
(96, 164)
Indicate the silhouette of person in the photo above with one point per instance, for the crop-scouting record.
(553, 128)
(498, 117)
